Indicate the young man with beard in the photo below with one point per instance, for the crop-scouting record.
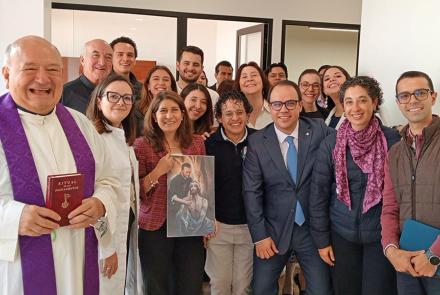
(189, 64)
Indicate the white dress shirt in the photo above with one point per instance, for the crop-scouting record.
(284, 145)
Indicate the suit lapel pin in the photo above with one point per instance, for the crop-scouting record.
(307, 133)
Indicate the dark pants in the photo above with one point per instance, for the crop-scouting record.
(409, 285)
(361, 269)
(316, 272)
(182, 259)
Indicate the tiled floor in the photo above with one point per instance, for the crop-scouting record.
(206, 290)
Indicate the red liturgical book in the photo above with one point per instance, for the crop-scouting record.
(64, 194)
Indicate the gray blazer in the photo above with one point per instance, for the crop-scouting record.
(269, 193)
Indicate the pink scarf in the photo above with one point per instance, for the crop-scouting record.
(368, 148)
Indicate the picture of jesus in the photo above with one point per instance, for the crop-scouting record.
(190, 210)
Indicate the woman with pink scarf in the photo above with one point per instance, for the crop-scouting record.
(346, 194)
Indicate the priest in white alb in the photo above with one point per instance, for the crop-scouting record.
(39, 137)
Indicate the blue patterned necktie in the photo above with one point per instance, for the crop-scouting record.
(292, 162)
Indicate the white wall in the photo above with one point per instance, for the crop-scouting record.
(217, 39)
(250, 48)
(398, 36)
(19, 18)
(62, 31)
(336, 11)
(227, 38)
(33, 20)
(202, 33)
(307, 48)
(71, 29)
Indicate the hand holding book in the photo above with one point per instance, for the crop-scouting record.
(65, 192)
(36, 221)
(87, 213)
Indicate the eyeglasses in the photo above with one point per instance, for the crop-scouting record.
(419, 94)
(289, 104)
(230, 114)
(115, 97)
(306, 85)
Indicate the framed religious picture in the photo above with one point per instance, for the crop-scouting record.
(190, 192)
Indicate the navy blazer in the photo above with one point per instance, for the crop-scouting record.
(269, 193)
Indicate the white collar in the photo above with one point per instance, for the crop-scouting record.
(282, 136)
(115, 130)
(265, 106)
(36, 118)
(225, 137)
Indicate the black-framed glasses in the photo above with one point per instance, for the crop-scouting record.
(289, 104)
(419, 94)
(115, 97)
(306, 85)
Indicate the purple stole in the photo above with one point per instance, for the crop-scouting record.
(37, 262)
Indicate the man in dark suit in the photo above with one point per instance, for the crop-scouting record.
(276, 184)
(179, 187)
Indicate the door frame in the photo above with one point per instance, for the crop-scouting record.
(262, 28)
(182, 21)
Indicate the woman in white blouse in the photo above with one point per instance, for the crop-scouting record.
(251, 80)
(111, 111)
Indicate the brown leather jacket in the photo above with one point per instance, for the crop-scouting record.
(417, 181)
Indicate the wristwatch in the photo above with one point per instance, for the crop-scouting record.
(432, 258)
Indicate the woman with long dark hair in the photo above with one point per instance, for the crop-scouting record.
(167, 131)
(158, 79)
(332, 79)
(199, 107)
